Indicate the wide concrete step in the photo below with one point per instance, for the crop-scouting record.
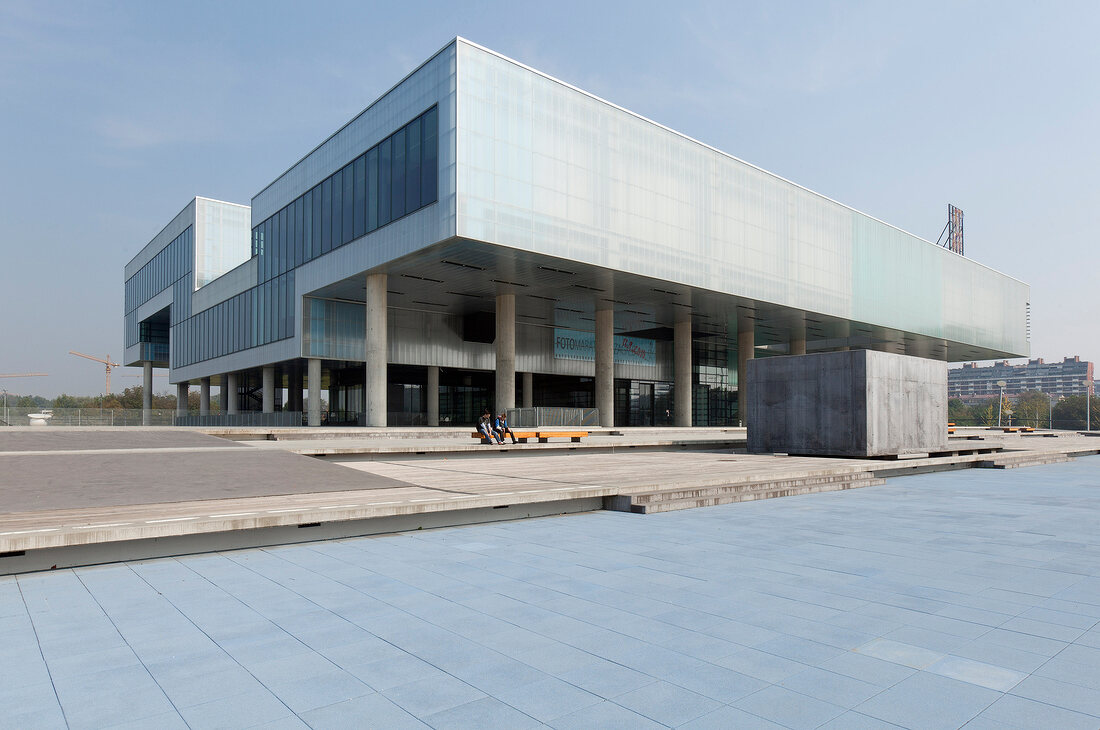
(1013, 461)
(748, 496)
(716, 490)
(690, 498)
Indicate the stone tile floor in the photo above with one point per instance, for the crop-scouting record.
(938, 601)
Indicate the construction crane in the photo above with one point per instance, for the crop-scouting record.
(107, 362)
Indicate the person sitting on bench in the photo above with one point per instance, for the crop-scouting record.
(485, 427)
(501, 427)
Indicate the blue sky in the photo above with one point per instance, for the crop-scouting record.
(115, 114)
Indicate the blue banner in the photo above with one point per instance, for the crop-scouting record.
(579, 345)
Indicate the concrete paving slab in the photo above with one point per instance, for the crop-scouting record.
(462, 624)
(92, 438)
(62, 480)
(228, 496)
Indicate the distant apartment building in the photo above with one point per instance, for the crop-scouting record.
(1068, 377)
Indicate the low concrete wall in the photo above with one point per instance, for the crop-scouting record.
(856, 403)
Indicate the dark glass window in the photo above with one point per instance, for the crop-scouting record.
(298, 237)
(337, 208)
(372, 189)
(326, 216)
(397, 202)
(265, 260)
(384, 165)
(429, 156)
(280, 242)
(412, 166)
(360, 196)
(307, 226)
(316, 247)
(347, 230)
(291, 235)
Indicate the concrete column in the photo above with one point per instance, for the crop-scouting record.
(605, 366)
(528, 390)
(146, 393)
(681, 337)
(746, 341)
(294, 388)
(269, 389)
(798, 340)
(433, 395)
(844, 331)
(204, 397)
(229, 394)
(313, 381)
(506, 352)
(374, 384)
(182, 390)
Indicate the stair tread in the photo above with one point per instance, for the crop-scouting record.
(674, 505)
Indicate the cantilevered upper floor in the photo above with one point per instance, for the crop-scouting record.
(476, 174)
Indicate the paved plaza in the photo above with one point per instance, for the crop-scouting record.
(936, 601)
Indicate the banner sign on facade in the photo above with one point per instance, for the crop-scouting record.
(955, 229)
(579, 345)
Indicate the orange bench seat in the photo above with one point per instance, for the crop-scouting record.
(574, 436)
(521, 436)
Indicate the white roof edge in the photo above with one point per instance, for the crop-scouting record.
(460, 39)
(223, 202)
(366, 109)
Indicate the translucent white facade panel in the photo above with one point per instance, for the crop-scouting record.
(547, 168)
(222, 238)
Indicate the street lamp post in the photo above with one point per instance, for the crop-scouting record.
(1000, 401)
(1088, 404)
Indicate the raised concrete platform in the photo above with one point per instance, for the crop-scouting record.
(61, 495)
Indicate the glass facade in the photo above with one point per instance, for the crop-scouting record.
(551, 170)
(222, 242)
(334, 329)
(714, 392)
(262, 314)
(396, 177)
(170, 268)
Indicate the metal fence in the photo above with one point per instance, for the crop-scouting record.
(87, 416)
(1056, 424)
(244, 418)
(538, 417)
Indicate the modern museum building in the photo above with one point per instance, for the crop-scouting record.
(484, 235)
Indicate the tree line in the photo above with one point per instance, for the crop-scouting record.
(130, 398)
(1030, 408)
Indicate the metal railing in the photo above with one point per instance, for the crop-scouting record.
(244, 418)
(538, 417)
(88, 416)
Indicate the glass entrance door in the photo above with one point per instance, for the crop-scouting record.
(645, 404)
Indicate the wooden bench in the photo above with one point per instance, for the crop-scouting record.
(574, 436)
(542, 436)
(521, 436)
